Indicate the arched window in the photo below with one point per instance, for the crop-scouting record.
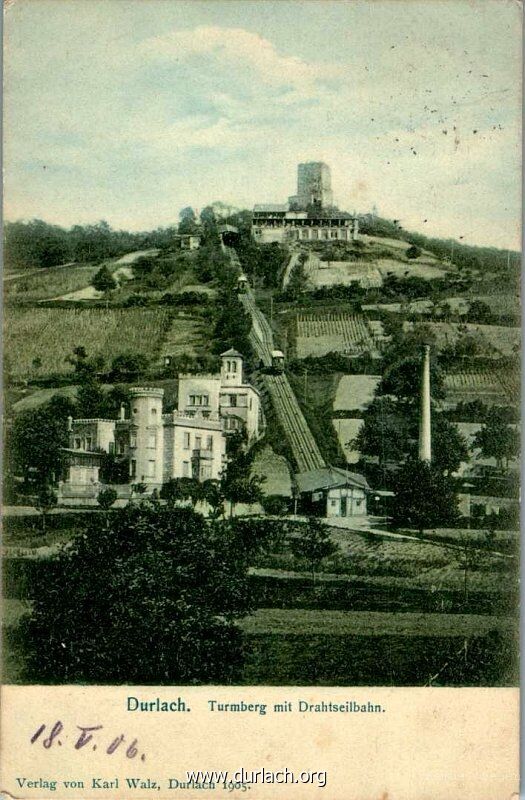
(234, 366)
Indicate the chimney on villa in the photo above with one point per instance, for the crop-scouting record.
(122, 411)
(425, 443)
(70, 423)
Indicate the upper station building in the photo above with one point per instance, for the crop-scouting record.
(308, 216)
(189, 442)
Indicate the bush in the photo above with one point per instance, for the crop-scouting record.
(103, 280)
(275, 504)
(156, 595)
(413, 252)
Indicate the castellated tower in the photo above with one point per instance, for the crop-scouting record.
(231, 368)
(146, 436)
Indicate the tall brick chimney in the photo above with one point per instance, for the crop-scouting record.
(425, 441)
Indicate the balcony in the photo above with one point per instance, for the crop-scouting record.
(201, 453)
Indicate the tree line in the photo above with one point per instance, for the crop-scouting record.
(35, 243)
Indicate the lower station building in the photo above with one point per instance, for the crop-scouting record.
(154, 446)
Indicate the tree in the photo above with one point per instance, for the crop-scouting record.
(385, 432)
(425, 497)
(188, 221)
(181, 489)
(155, 601)
(127, 367)
(243, 489)
(106, 498)
(213, 495)
(35, 440)
(45, 501)
(103, 280)
(413, 252)
(449, 446)
(496, 439)
(314, 544)
(91, 400)
(479, 312)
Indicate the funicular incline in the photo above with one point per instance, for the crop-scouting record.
(304, 447)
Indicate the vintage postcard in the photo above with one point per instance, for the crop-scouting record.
(261, 436)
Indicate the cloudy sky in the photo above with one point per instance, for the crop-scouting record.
(128, 110)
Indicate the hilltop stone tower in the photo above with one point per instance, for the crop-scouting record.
(314, 186)
(146, 436)
(425, 440)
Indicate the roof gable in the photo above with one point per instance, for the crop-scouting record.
(329, 478)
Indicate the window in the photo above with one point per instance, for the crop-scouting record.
(234, 366)
(233, 399)
(209, 443)
(193, 399)
(151, 468)
(89, 441)
(112, 447)
(78, 443)
(198, 442)
(251, 401)
(152, 441)
(133, 440)
(205, 400)
(205, 471)
(186, 441)
(153, 412)
(185, 469)
(133, 468)
(135, 410)
(333, 503)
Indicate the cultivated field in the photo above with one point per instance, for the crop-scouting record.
(492, 386)
(318, 334)
(185, 337)
(51, 335)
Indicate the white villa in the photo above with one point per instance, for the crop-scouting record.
(187, 442)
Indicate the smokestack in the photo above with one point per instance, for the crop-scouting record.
(425, 446)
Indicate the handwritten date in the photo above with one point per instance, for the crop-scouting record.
(87, 736)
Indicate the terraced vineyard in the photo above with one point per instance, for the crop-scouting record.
(318, 334)
(490, 385)
(49, 336)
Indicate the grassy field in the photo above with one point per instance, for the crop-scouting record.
(50, 283)
(304, 659)
(355, 392)
(498, 338)
(51, 334)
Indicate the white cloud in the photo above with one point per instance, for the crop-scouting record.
(241, 48)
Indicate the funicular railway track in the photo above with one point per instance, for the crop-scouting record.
(304, 447)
